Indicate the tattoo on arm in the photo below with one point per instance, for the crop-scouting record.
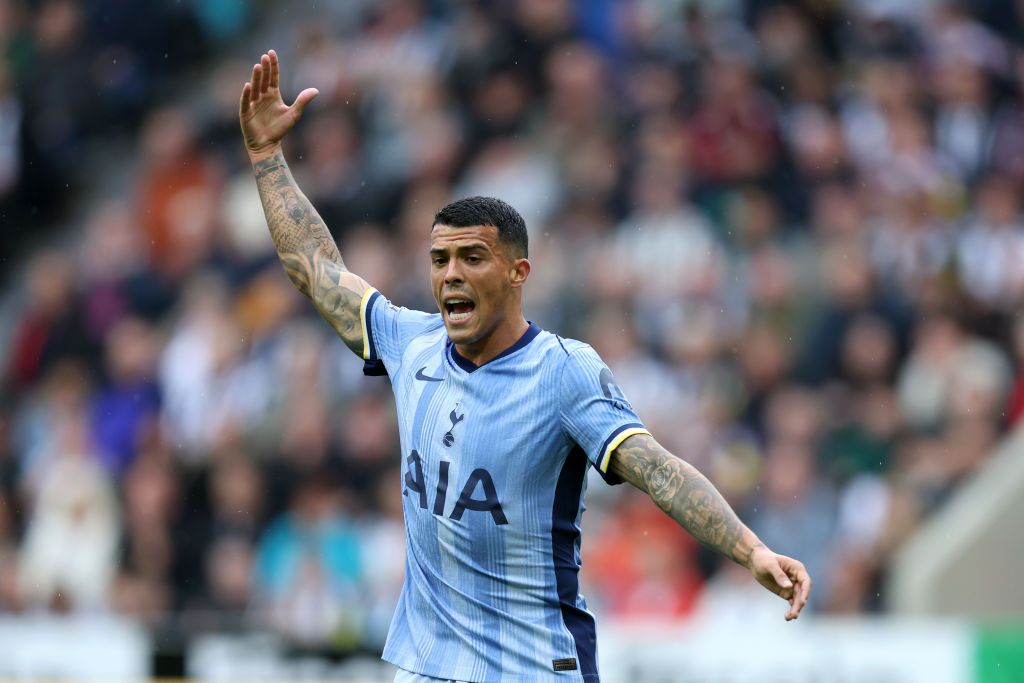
(754, 547)
(308, 252)
(685, 495)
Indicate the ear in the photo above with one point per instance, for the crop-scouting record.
(520, 271)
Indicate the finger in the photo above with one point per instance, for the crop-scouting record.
(257, 77)
(796, 603)
(243, 105)
(265, 64)
(275, 71)
(795, 606)
(804, 583)
(781, 578)
(800, 594)
(304, 98)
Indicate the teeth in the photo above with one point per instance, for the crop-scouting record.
(459, 316)
(458, 301)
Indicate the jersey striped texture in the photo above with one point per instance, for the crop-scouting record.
(494, 474)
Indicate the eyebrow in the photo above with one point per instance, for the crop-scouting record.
(480, 246)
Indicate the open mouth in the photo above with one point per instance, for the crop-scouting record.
(459, 309)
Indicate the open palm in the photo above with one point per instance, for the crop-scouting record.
(264, 116)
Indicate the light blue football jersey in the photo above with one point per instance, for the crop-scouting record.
(494, 474)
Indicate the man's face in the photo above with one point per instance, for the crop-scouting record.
(473, 279)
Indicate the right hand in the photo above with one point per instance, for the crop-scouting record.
(264, 116)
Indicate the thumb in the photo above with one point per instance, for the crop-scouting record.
(304, 98)
(780, 577)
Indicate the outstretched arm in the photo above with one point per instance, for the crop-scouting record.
(304, 244)
(696, 505)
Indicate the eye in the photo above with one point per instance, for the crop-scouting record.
(473, 259)
(438, 260)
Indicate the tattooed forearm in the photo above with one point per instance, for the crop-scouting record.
(268, 166)
(295, 226)
(685, 495)
(307, 250)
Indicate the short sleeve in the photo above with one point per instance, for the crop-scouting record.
(595, 413)
(387, 330)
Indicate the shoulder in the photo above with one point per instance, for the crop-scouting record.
(558, 346)
(572, 351)
(574, 359)
(557, 350)
(575, 348)
(381, 303)
(432, 323)
(408, 321)
(429, 331)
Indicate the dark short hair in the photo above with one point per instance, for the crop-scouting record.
(465, 213)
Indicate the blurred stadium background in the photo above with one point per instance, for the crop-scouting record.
(793, 229)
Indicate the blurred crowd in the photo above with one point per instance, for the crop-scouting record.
(792, 229)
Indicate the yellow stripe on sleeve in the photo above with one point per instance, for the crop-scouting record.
(606, 458)
(365, 323)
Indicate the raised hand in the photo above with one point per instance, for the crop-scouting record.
(264, 116)
(783, 576)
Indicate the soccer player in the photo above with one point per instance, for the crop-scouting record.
(499, 422)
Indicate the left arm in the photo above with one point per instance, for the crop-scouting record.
(696, 505)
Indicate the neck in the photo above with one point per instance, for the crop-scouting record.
(492, 344)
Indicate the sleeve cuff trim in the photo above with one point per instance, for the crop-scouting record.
(365, 309)
(617, 437)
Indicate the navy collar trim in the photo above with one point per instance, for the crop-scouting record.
(469, 366)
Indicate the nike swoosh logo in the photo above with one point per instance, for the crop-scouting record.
(427, 378)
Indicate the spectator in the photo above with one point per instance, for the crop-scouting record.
(125, 412)
(50, 328)
(308, 568)
(69, 557)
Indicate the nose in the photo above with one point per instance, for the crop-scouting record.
(452, 274)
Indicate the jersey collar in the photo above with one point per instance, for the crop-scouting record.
(469, 366)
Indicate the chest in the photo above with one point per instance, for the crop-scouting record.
(474, 441)
(486, 417)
